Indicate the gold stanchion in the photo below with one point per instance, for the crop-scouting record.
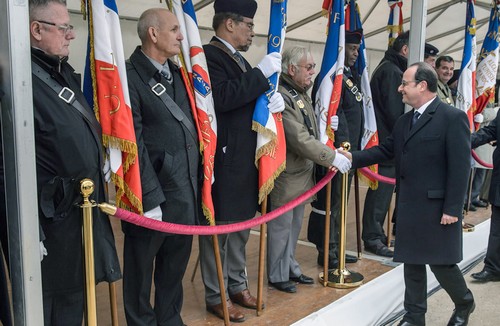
(468, 227)
(113, 304)
(358, 215)
(326, 240)
(389, 222)
(262, 252)
(87, 188)
(341, 277)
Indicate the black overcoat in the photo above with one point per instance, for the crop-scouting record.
(235, 92)
(432, 168)
(168, 151)
(67, 150)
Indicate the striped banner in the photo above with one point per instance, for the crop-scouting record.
(466, 99)
(395, 23)
(370, 137)
(332, 70)
(105, 86)
(487, 65)
(270, 154)
(197, 81)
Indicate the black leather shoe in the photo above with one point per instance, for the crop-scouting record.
(332, 262)
(286, 286)
(472, 208)
(460, 317)
(380, 250)
(479, 203)
(349, 259)
(302, 279)
(486, 276)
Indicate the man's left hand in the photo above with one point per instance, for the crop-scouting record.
(448, 219)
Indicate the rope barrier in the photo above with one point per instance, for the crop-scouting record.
(379, 177)
(481, 162)
(168, 227)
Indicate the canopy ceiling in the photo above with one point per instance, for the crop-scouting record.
(445, 20)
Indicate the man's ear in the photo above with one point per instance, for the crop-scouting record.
(153, 34)
(35, 30)
(230, 24)
(291, 70)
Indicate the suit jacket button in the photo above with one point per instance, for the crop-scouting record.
(189, 146)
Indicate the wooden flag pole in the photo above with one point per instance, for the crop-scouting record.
(220, 276)
(262, 252)
(326, 240)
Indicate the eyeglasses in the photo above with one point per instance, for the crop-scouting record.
(249, 24)
(66, 28)
(308, 67)
(406, 82)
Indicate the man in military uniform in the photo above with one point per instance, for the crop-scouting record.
(444, 69)
(351, 121)
(430, 54)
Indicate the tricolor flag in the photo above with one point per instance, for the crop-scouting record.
(487, 65)
(370, 136)
(105, 87)
(466, 91)
(197, 81)
(395, 23)
(332, 70)
(270, 154)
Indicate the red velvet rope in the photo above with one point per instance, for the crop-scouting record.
(219, 229)
(378, 177)
(478, 160)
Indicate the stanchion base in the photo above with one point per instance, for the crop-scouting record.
(342, 279)
(467, 227)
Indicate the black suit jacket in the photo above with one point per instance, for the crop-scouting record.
(168, 150)
(432, 167)
(235, 92)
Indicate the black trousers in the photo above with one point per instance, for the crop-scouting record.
(449, 277)
(492, 259)
(63, 309)
(377, 204)
(170, 256)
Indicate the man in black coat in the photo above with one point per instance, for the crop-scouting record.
(68, 149)
(430, 148)
(491, 270)
(388, 108)
(236, 87)
(169, 158)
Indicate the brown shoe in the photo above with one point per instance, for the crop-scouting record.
(234, 314)
(245, 299)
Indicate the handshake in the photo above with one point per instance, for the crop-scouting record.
(342, 161)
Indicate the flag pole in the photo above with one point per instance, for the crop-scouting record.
(358, 214)
(326, 240)
(220, 277)
(262, 251)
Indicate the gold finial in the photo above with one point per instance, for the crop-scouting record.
(346, 146)
(86, 187)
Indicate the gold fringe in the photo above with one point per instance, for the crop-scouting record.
(269, 185)
(367, 181)
(208, 214)
(263, 130)
(83, 9)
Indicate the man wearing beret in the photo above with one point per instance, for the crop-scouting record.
(349, 128)
(236, 87)
(430, 54)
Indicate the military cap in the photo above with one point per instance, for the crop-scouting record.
(430, 50)
(245, 8)
(354, 37)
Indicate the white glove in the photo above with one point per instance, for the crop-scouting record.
(154, 214)
(43, 251)
(341, 162)
(106, 169)
(270, 64)
(479, 118)
(334, 124)
(276, 103)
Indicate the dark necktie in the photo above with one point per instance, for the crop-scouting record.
(165, 72)
(414, 119)
(239, 58)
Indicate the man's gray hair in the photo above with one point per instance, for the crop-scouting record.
(292, 56)
(37, 5)
(149, 18)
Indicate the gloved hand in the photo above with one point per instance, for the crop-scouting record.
(106, 169)
(43, 251)
(334, 123)
(270, 64)
(276, 103)
(479, 118)
(155, 213)
(342, 163)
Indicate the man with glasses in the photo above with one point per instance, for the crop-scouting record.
(429, 200)
(350, 121)
(68, 149)
(236, 87)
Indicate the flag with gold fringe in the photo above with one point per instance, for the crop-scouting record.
(197, 80)
(487, 65)
(395, 23)
(270, 154)
(369, 137)
(105, 86)
(466, 91)
(332, 70)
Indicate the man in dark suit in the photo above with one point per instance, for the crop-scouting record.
(236, 87)
(431, 147)
(491, 270)
(169, 156)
